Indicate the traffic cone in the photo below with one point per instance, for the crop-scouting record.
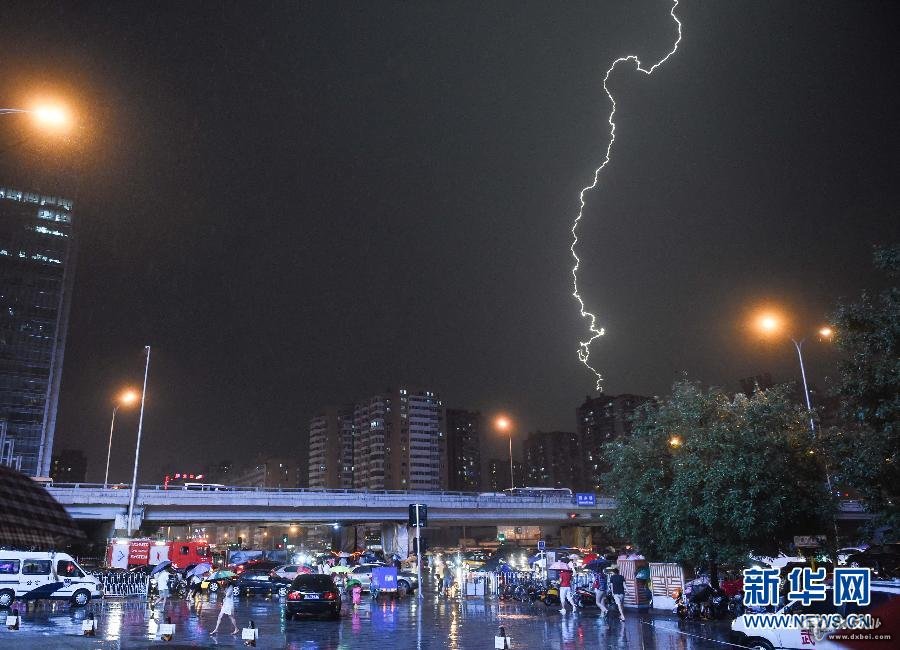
(252, 640)
(15, 616)
(89, 627)
(501, 641)
(169, 636)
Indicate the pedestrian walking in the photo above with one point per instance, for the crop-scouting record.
(356, 593)
(600, 587)
(617, 584)
(565, 588)
(448, 579)
(227, 609)
(162, 587)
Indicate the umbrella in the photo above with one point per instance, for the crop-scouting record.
(353, 583)
(304, 569)
(344, 554)
(559, 566)
(159, 567)
(590, 557)
(31, 516)
(339, 569)
(222, 574)
(199, 570)
(597, 565)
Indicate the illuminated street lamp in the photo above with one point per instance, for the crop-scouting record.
(504, 424)
(770, 323)
(675, 442)
(47, 116)
(125, 399)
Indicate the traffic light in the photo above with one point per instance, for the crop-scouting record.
(418, 515)
(284, 539)
(573, 515)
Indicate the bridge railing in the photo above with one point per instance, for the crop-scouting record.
(480, 496)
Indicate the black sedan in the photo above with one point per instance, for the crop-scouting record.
(315, 595)
(884, 560)
(260, 582)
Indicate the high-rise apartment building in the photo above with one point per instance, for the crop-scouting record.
(463, 450)
(37, 254)
(399, 441)
(553, 459)
(602, 419)
(497, 478)
(269, 472)
(331, 449)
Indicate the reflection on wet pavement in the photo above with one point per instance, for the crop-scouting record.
(408, 623)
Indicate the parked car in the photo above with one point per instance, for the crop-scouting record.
(884, 560)
(885, 600)
(844, 553)
(406, 580)
(313, 594)
(290, 571)
(256, 565)
(255, 581)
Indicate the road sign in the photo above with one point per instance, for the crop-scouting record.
(809, 541)
(418, 515)
(542, 545)
(587, 499)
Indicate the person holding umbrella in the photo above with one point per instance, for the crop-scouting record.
(160, 575)
(566, 570)
(227, 609)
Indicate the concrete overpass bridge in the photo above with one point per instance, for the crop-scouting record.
(157, 505)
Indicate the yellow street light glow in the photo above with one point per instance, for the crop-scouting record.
(675, 441)
(768, 323)
(51, 115)
(826, 332)
(502, 423)
(128, 397)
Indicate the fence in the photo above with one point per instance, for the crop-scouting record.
(503, 581)
(118, 584)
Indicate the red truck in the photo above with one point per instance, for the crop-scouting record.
(126, 553)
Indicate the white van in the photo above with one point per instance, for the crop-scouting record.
(38, 575)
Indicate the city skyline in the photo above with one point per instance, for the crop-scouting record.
(288, 221)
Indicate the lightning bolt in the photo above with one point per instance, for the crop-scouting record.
(584, 347)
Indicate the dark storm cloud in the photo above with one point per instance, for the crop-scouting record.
(296, 204)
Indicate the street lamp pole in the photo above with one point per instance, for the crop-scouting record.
(512, 477)
(137, 449)
(109, 449)
(799, 346)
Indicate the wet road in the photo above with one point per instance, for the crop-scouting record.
(435, 623)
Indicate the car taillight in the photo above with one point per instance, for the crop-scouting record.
(295, 595)
(329, 595)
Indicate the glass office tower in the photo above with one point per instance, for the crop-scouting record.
(37, 254)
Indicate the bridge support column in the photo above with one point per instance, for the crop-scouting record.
(579, 536)
(395, 540)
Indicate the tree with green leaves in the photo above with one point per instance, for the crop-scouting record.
(865, 449)
(705, 477)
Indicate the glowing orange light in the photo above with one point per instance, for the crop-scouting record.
(769, 323)
(502, 423)
(54, 116)
(675, 441)
(826, 332)
(128, 397)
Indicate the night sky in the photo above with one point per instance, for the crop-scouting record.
(301, 204)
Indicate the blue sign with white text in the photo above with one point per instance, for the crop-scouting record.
(586, 499)
(542, 545)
